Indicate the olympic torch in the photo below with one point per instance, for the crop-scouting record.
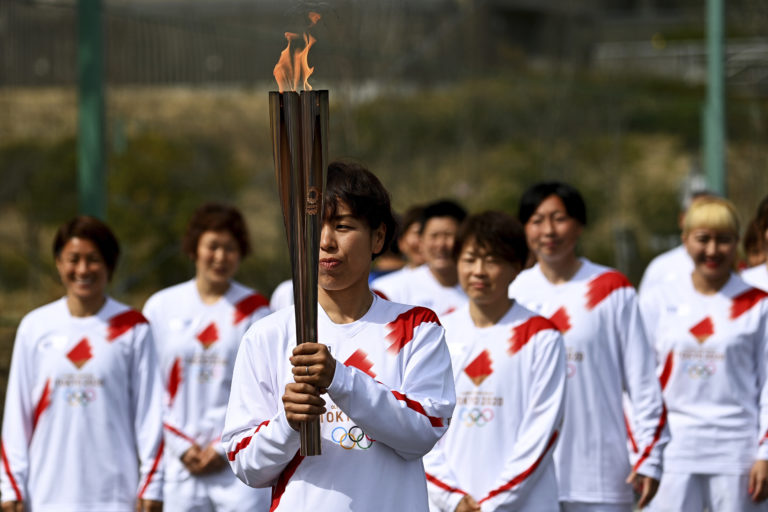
(299, 123)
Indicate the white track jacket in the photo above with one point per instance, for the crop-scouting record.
(510, 398)
(82, 430)
(198, 343)
(713, 351)
(391, 399)
(607, 353)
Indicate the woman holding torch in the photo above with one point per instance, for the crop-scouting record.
(379, 382)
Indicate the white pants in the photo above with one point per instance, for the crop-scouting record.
(686, 492)
(220, 492)
(580, 506)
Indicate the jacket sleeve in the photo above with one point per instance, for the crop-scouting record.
(442, 484)
(539, 428)
(762, 381)
(257, 438)
(146, 397)
(412, 418)
(649, 414)
(18, 421)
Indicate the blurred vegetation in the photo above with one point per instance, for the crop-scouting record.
(627, 143)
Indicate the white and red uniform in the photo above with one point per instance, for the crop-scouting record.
(198, 343)
(420, 288)
(756, 276)
(390, 400)
(607, 353)
(282, 296)
(666, 268)
(82, 430)
(510, 398)
(712, 351)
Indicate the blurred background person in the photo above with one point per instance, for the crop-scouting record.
(434, 285)
(510, 393)
(674, 263)
(197, 326)
(757, 274)
(595, 308)
(408, 243)
(82, 428)
(711, 335)
(752, 244)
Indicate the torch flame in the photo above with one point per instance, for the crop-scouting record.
(293, 65)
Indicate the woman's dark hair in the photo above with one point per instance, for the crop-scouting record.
(89, 228)
(497, 232)
(443, 208)
(761, 216)
(362, 191)
(216, 217)
(535, 195)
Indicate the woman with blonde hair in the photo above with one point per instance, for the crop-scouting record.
(709, 331)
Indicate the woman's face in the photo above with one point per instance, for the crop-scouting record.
(713, 252)
(551, 233)
(484, 276)
(218, 257)
(346, 246)
(82, 270)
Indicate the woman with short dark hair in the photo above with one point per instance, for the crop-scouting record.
(83, 422)
(596, 310)
(198, 326)
(509, 370)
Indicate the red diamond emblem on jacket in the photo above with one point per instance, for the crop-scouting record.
(703, 330)
(209, 335)
(479, 369)
(80, 353)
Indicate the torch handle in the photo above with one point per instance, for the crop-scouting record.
(309, 435)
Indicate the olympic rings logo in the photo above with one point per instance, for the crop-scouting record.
(700, 370)
(80, 397)
(476, 416)
(349, 439)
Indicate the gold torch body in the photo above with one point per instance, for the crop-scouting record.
(299, 123)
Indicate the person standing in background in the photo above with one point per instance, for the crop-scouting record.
(82, 428)
(198, 326)
(509, 368)
(710, 332)
(757, 275)
(434, 285)
(595, 308)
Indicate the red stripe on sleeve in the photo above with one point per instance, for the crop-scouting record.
(603, 285)
(248, 305)
(523, 333)
(416, 406)
(667, 371)
(744, 301)
(360, 361)
(629, 434)
(525, 474)
(42, 404)
(171, 428)
(402, 327)
(174, 381)
(656, 435)
(7, 467)
(245, 441)
(152, 471)
(381, 294)
(436, 481)
(282, 482)
(124, 322)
